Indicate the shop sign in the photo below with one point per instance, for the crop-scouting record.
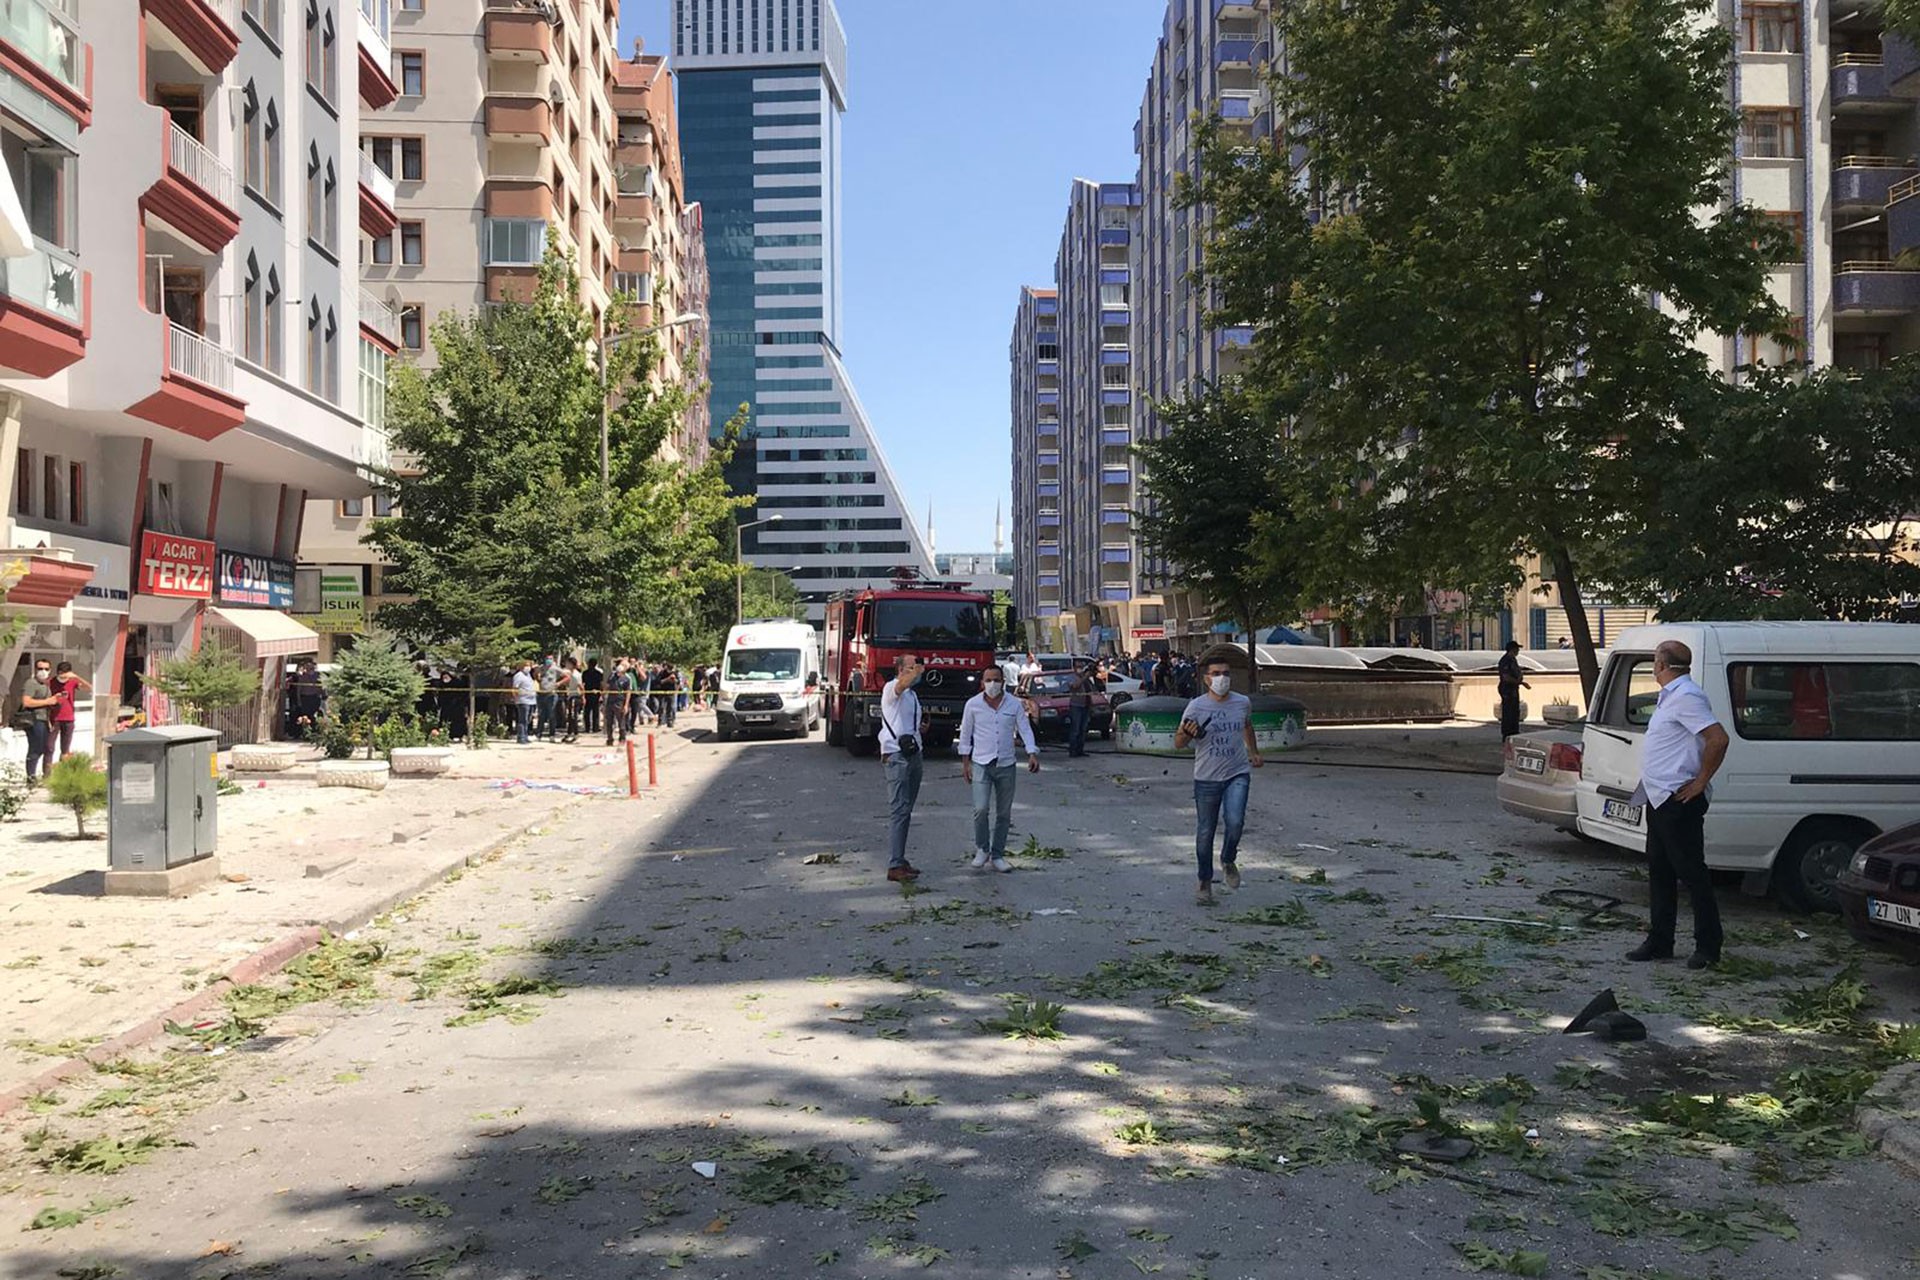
(261, 581)
(108, 590)
(1149, 633)
(342, 611)
(181, 568)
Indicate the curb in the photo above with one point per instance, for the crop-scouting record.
(1895, 1124)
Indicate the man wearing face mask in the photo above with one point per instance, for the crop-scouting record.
(901, 727)
(1220, 724)
(992, 728)
(35, 717)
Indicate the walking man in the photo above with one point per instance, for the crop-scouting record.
(1079, 708)
(992, 727)
(35, 717)
(1511, 683)
(1678, 758)
(619, 693)
(526, 694)
(1220, 723)
(901, 725)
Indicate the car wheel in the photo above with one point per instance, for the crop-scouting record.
(1804, 874)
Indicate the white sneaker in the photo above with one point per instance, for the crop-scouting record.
(1002, 865)
(980, 860)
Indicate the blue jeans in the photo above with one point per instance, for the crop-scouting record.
(522, 718)
(1077, 730)
(903, 788)
(546, 725)
(1219, 803)
(993, 806)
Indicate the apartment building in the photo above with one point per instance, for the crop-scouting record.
(515, 124)
(1035, 361)
(763, 87)
(185, 352)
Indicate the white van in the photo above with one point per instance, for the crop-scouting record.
(770, 679)
(1823, 721)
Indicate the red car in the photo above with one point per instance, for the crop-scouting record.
(1880, 890)
(1046, 695)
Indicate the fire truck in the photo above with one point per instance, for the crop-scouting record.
(948, 627)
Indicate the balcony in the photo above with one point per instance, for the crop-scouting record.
(519, 119)
(378, 322)
(208, 31)
(45, 311)
(40, 44)
(377, 86)
(197, 195)
(1903, 217)
(378, 206)
(1238, 106)
(1233, 51)
(52, 579)
(1239, 335)
(1864, 181)
(517, 33)
(509, 197)
(629, 207)
(1875, 289)
(1235, 9)
(1901, 60)
(196, 396)
(1860, 85)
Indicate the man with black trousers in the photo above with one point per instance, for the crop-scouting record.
(1682, 751)
(1511, 683)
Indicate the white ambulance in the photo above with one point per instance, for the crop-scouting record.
(770, 679)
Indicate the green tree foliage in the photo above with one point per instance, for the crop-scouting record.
(1216, 506)
(212, 678)
(372, 681)
(1466, 338)
(75, 784)
(501, 488)
(1795, 498)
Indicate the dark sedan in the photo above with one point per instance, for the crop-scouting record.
(1880, 890)
(1047, 695)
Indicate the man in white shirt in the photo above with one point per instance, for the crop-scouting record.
(901, 727)
(992, 727)
(1678, 758)
(524, 700)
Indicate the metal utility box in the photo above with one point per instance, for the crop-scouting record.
(162, 794)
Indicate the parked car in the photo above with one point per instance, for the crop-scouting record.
(1047, 695)
(1879, 891)
(1824, 753)
(1540, 776)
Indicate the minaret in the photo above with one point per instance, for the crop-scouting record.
(932, 550)
(999, 532)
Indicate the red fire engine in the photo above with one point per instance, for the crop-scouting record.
(949, 628)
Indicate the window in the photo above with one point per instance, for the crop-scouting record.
(412, 326)
(1795, 225)
(265, 15)
(329, 57)
(255, 338)
(1628, 699)
(410, 69)
(353, 508)
(271, 189)
(413, 244)
(382, 505)
(273, 325)
(330, 210)
(50, 488)
(1826, 701)
(413, 6)
(515, 242)
(316, 196)
(413, 163)
(253, 160)
(314, 80)
(1770, 133)
(316, 349)
(1770, 28)
(77, 492)
(23, 482)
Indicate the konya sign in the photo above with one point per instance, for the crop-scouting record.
(171, 565)
(255, 580)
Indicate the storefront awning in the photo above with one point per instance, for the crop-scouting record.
(266, 633)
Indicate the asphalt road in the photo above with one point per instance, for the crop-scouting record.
(683, 988)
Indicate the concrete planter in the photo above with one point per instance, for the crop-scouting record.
(263, 757)
(368, 775)
(422, 761)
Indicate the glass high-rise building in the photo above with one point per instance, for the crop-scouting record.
(762, 91)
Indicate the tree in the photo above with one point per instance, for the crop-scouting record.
(1491, 331)
(75, 784)
(211, 679)
(372, 681)
(501, 484)
(1796, 497)
(768, 593)
(1216, 507)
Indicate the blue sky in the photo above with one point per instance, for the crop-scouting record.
(965, 125)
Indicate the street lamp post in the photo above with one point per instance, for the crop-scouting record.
(739, 595)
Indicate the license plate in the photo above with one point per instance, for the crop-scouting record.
(1621, 811)
(758, 719)
(1530, 764)
(1893, 913)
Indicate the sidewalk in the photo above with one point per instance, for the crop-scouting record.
(91, 973)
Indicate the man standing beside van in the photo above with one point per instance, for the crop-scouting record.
(1682, 751)
(992, 729)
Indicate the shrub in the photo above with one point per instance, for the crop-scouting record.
(400, 731)
(75, 784)
(13, 790)
(334, 736)
(210, 679)
(480, 731)
(373, 682)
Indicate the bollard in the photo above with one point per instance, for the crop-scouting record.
(653, 763)
(633, 772)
